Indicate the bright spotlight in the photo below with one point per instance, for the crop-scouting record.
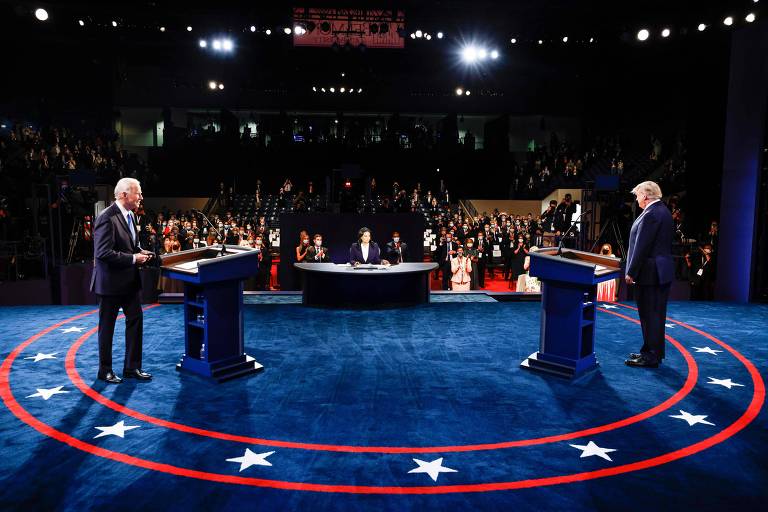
(413, 36)
(203, 43)
(469, 54)
(81, 23)
(360, 90)
(41, 14)
(268, 32)
(227, 45)
(750, 17)
(189, 28)
(162, 29)
(419, 33)
(702, 27)
(314, 89)
(332, 89)
(541, 42)
(428, 37)
(459, 91)
(221, 87)
(728, 21)
(439, 35)
(495, 54)
(298, 30)
(482, 53)
(212, 85)
(665, 32)
(565, 39)
(467, 93)
(322, 89)
(643, 34)
(114, 23)
(287, 31)
(591, 39)
(513, 40)
(216, 44)
(342, 89)
(253, 28)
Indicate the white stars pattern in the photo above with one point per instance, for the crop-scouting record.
(726, 383)
(252, 459)
(433, 468)
(118, 429)
(45, 394)
(72, 329)
(706, 350)
(591, 449)
(692, 419)
(609, 306)
(40, 356)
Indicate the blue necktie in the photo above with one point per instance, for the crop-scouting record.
(131, 228)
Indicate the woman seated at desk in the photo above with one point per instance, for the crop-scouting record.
(365, 251)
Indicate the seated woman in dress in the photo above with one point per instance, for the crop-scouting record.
(365, 251)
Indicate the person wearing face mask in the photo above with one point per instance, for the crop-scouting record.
(317, 253)
(397, 250)
(445, 254)
(265, 263)
(472, 253)
(303, 247)
(461, 271)
(517, 259)
(496, 252)
(702, 273)
(481, 246)
(365, 250)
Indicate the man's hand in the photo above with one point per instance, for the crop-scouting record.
(629, 279)
(142, 258)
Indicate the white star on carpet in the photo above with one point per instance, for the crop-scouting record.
(252, 459)
(707, 350)
(727, 383)
(592, 449)
(40, 356)
(670, 326)
(73, 329)
(692, 419)
(118, 429)
(433, 469)
(45, 394)
(609, 306)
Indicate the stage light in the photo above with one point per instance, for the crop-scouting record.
(314, 89)
(495, 54)
(322, 89)
(513, 40)
(360, 90)
(439, 35)
(413, 36)
(216, 45)
(750, 17)
(591, 39)
(482, 54)
(459, 91)
(227, 45)
(702, 27)
(189, 28)
(203, 43)
(469, 54)
(114, 23)
(565, 39)
(351, 90)
(419, 33)
(343, 74)
(41, 14)
(212, 85)
(287, 31)
(335, 121)
(299, 30)
(428, 37)
(253, 28)
(268, 32)
(221, 87)
(728, 21)
(81, 23)
(467, 93)
(342, 89)
(162, 29)
(541, 42)
(332, 89)
(643, 34)
(665, 32)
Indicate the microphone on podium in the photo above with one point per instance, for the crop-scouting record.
(218, 233)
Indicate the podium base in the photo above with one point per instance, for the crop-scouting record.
(220, 371)
(536, 362)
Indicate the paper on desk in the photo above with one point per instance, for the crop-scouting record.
(187, 265)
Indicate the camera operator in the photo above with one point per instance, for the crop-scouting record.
(702, 270)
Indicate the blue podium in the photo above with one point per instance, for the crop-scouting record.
(568, 294)
(213, 309)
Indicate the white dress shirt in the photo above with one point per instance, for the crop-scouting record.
(126, 214)
(364, 250)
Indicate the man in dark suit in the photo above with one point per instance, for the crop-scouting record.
(482, 257)
(396, 249)
(317, 253)
(446, 252)
(116, 281)
(651, 269)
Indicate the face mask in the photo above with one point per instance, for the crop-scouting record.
(248, 226)
(519, 240)
(707, 251)
(460, 253)
(470, 245)
(318, 243)
(465, 227)
(306, 242)
(448, 239)
(479, 238)
(396, 239)
(258, 242)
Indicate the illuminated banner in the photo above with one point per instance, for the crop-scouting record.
(326, 27)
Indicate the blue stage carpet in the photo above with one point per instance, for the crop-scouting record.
(397, 409)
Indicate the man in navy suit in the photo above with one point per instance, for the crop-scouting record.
(116, 281)
(651, 269)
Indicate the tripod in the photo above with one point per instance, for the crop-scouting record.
(73, 238)
(613, 225)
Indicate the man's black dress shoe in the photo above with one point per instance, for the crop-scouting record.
(635, 355)
(642, 362)
(137, 374)
(110, 377)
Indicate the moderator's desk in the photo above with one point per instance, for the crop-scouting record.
(329, 284)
